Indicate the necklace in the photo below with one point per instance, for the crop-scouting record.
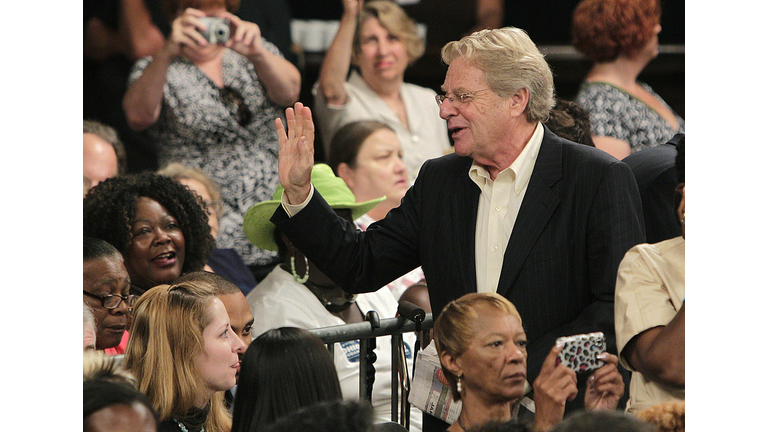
(184, 428)
(461, 424)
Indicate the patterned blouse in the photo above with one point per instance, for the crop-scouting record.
(227, 132)
(617, 114)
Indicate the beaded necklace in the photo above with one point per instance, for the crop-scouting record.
(184, 428)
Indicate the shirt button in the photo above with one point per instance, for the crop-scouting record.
(498, 209)
(495, 248)
(415, 138)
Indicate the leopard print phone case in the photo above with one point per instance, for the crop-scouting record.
(580, 351)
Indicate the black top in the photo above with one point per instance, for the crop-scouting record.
(193, 422)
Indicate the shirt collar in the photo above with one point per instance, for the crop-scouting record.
(520, 170)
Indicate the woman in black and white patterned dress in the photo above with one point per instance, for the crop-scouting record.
(212, 106)
(621, 38)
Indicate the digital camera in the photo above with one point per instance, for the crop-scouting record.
(217, 30)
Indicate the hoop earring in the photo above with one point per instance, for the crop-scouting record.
(458, 384)
(296, 276)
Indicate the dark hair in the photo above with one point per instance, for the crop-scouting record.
(217, 283)
(680, 169)
(109, 209)
(283, 370)
(336, 416)
(501, 426)
(108, 134)
(680, 159)
(570, 120)
(102, 392)
(347, 141)
(94, 248)
(604, 29)
(614, 421)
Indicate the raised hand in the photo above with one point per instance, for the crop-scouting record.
(605, 386)
(297, 152)
(552, 388)
(352, 6)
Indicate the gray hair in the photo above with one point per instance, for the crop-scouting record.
(510, 61)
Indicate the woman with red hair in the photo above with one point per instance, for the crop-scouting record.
(621, 38)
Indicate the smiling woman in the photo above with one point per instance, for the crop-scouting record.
(159, 226)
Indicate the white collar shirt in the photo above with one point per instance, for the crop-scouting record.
(497, 210)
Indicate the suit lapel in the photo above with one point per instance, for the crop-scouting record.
(465, 213)
(538, 205)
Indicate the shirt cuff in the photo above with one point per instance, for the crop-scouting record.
(292, 209)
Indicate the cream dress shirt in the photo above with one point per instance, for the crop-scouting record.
(497, 210)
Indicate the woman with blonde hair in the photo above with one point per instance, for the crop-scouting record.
(380, 41)
(184, 355)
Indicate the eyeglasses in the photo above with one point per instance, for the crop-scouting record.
(112, 301)
(463, 98)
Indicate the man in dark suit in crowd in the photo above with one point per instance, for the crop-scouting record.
(517, 210)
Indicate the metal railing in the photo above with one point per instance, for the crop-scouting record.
(410, 318)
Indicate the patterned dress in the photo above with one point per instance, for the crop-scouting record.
(615, 113)
(227, 132)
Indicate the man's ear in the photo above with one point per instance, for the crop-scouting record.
(347, 174)
(519, 101)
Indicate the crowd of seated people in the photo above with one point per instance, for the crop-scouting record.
(198, 295)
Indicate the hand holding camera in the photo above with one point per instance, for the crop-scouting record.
(245, 38)
(216, 30)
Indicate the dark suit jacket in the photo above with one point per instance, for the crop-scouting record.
(656, 176)
(580, 214)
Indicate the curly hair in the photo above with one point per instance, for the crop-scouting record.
(604, 29)
(109, 210)
(668, 416)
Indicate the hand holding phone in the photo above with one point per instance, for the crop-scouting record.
(580, 351)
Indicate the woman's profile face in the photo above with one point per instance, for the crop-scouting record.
(495, 362)
(383, 56)
(379, 169)
(218, 364)
(156, 252)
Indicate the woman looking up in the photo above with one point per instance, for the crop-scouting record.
(621, 37)
(381, 41)
(211, 106)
